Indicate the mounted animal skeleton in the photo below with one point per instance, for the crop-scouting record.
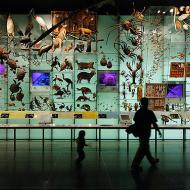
(72, 14)
(58, 41)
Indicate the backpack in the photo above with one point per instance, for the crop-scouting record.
(133, 129)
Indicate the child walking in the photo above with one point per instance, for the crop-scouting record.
(80, 147)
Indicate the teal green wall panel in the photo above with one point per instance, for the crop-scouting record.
(85, 121)
(47, 134)
(36, 134)
(3, 134)
(3, 121)
(22, 133)
(123, 134)
(90, 133)
(188, 134)
(19, 121)
(109, 134)
(107, 121)
(61, 134)
(63, 121)
(10, 134)
(173, 134)
(104, 23)
(34, 121)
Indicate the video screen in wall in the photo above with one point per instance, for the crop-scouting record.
(174, 91)
(40, 79)
(108, 78)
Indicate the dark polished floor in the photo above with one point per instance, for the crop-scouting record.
(30, 168)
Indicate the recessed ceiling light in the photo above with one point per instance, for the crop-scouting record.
(171, 10)
(181, 8)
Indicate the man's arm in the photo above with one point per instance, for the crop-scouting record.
(153, 121)
(157, 128)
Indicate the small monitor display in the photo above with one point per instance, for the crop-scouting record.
(5, 115)
(54, 115)
(102, 115)
(78, 116)
(174, 91)
(108, 78)
(125, 117)
(40, 79)
(29, 115)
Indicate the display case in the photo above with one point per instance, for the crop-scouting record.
(92, 63)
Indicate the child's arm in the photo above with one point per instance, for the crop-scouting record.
(85, 143)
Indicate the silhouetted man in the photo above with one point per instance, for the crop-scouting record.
(143, 119)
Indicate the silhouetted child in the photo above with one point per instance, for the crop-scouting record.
(80, 147)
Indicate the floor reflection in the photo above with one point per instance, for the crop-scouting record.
(55, 168)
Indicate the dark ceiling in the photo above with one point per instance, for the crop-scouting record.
(111, 7)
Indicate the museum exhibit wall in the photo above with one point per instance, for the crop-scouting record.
(144, 56)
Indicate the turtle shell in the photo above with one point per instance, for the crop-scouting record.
(109, 65)
(14, 87)
(103, 61)
(19, 96)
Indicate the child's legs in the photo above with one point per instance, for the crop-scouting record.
(81, 155)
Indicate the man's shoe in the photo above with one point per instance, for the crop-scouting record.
(156, 160)
(136, 169)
